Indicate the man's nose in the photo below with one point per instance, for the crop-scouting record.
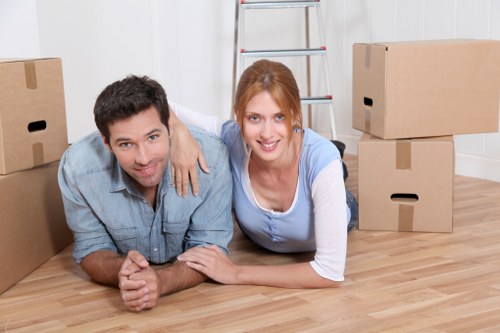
(141, 156)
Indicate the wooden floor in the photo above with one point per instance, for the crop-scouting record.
(395, 282)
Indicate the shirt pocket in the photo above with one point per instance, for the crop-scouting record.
(124, 238)
(175, 232)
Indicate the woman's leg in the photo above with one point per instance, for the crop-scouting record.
(353, 206)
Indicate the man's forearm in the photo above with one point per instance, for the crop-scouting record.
(177, 277)
(103, 266)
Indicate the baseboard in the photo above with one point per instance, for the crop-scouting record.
(465, 164)
(477, 167)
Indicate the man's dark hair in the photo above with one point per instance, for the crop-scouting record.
(126, 98)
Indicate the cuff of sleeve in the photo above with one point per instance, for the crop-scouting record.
(326, 275)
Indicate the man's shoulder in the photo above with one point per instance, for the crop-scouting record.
(214, 149)
(88, 155)
(207, 140)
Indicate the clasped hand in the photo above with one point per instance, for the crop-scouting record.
(139, 283)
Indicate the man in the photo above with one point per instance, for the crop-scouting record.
(129, 224)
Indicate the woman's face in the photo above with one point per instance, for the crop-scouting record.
(265, 127)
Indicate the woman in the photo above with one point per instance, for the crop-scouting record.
(289, 193)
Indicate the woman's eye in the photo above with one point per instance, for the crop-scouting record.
(253, 118)
(280, 117)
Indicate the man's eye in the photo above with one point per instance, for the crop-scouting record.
(153, 137)
(125, 145)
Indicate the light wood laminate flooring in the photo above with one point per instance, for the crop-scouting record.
(395, 282)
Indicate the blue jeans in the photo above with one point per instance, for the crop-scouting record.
(353, 206)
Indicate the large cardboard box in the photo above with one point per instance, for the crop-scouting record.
(33, 225)
(406, 185)
(426, 88)
(32, 113)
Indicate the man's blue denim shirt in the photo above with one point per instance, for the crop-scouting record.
(105, 211)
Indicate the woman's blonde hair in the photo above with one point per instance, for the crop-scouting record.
(275, 78)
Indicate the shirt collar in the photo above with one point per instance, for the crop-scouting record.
(120, 180)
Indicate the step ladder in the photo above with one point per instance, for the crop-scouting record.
(240, 53)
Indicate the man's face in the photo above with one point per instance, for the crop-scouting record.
(141, 145)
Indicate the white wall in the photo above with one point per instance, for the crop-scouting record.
(187, 45)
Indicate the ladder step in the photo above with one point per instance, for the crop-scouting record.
(284, 53)
(278, 4)
(316, 100)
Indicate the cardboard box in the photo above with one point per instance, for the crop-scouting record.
(406, 185)
(32, 113)
(426, 88)
(33, 226)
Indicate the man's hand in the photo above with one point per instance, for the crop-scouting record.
(185, 153)
(138, 283)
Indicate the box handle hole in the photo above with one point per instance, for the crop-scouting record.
(368, 101)
(37, 126)
(404, 197)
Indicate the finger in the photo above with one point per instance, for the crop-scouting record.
(203, 163)
(193, 174)
(134, 262)
(135, 300)
(178, 181)
(172, 174)
(198, 267)
(190, 254)
(131, 285)
(137, 258)
(128, 268)
(185, 184)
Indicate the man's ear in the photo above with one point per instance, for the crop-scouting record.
(106, 143)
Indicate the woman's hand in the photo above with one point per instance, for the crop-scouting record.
(211, 261)
(185, 153)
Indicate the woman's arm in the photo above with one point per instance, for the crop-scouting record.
(213, 262)
(185, 154)
(327, 268)
(192, 118)
(330, 221)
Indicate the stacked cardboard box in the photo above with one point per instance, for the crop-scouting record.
(33, 137)
(410, 98)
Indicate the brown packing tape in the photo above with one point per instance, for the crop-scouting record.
(37, 154)
(367, 113)
(30, 74)
(405, 221)
(368, 55)
(403, 154)
(368, 120)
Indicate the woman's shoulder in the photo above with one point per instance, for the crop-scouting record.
(231, 129)
(317, 147)
(231, 135)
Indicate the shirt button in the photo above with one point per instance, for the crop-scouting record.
(155, 249)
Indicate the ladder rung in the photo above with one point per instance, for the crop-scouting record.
(279, 4)
(316, 100)
(284, 53)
